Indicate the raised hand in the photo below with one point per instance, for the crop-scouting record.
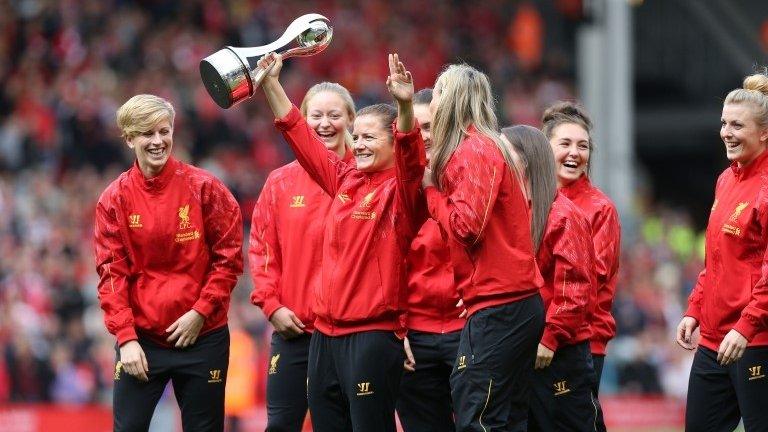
(276, 98)
(399, 81)
(273, 63)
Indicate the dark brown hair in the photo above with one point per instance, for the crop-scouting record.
(385, 112)
(532, 147)
(423, 96)
(564, 112)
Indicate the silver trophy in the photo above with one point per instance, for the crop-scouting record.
(231, 74)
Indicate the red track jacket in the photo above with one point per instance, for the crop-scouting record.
(486, 219)
(606, 237)
(287, 234)
(373, 218)
(566, 261)
(732, 290)
(432, 294)
(166, 245)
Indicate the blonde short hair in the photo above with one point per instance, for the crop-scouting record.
(141, 113)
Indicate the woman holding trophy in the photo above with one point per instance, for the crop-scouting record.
(356, 352)
(289, 200)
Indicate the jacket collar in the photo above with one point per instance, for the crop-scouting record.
(378, 177)
(471, 130)
(758, 165)
(160, 181)
(576, 188)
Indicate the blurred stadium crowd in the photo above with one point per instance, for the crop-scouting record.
(67, 65)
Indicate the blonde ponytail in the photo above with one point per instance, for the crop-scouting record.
(465, 100)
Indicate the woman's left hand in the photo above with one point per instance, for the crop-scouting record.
(544, 357)
(731, 348)
(409, 363)
(426, 181)
(399, 81)
(185, 330)
(463, 308)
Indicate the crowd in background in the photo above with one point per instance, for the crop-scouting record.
(67, 65)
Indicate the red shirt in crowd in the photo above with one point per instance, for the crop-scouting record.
(485, 217)
(432, 294)
(287, 234)
(606, 236)
(373, 218)
(566, 261)
(164, 246)
(732, 290)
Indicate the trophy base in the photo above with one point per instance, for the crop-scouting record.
(216, 85)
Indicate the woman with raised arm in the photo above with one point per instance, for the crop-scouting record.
(476, 198)
(729, 303)
(284, 260)
(168, 240)
(563, 378)
(567, 126)
(356, 353)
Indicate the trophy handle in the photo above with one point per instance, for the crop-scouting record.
(297, 27)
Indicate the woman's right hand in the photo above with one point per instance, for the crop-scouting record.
(685, 332)
(273, 63)
(133, 359)
(399, 81)
(276, 98)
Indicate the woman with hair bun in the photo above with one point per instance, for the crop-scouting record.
(568, 128)
(476, 198)
(729, 303)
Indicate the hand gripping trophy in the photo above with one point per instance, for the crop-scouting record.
(231, 75)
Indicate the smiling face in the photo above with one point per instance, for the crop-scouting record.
(327, 114)
(153, 147)
(520, 168)
(372, 144)
(424, 119)
(743, 137)
(570, 145)
(436, 95)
